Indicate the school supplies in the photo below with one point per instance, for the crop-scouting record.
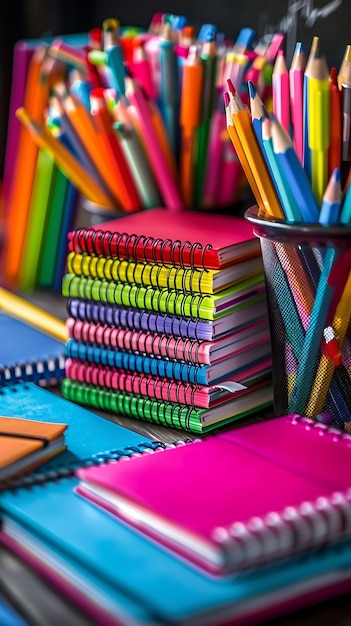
(236, 522)
(25, 444)
(80, 564)
(32, 342)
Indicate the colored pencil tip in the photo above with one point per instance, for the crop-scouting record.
(226, 98)
(231, 87)
(252, 90)
(337, 175)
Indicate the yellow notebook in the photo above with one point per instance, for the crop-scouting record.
(25, 444)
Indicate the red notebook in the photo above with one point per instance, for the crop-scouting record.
(188, 238)
(240, 499)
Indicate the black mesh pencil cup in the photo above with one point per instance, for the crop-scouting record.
(307, 275)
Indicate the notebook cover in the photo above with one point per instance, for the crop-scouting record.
(29, 353)
(249, 505)
(201, 396)
(163, 276)
(170, 368)
(195, 305)
(254, 313)
(166, 346)
(26, 443)
(175, 415)
(206, 240)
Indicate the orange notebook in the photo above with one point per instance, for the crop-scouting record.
(25, 444)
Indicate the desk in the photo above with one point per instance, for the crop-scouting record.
(43, 606)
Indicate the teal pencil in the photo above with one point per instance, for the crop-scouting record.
(294, 172)
(345, 216)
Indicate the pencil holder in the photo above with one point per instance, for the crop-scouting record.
(307, 274)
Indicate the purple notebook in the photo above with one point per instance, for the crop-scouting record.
(235, 500)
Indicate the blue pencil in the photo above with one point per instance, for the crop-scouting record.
(294, 172)
(330, 209)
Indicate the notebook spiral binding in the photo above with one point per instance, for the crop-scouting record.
(136, 341)
(295, 528)
(130, 361)
(158, 388)
(38, 372)
(138, 296)
(134, 319)
(170, 414)
(187, 279)
(124, 246)
(40, 477)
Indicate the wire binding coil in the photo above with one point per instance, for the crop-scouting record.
(33, 371)
(59, 472)
(127, 246)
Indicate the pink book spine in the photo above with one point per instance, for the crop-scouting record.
(165, 346)
(150, 386)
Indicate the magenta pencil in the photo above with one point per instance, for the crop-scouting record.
(281, 97)
(214, 159)
(296, 83)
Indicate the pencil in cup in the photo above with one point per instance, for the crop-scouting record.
(305, 260)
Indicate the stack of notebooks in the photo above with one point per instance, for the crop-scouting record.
(168, 319)
(279, 548)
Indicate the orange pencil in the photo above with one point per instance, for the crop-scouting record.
(127, 193)
(85, 127)
(190, 120)
(243, 124)
(75, 172)
(16, 211)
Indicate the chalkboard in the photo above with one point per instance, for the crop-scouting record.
(330, 20)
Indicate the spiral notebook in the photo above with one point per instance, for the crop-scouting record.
(239, 499)
(252, 311)
(31, 348)
(116, 575)
(200, 240)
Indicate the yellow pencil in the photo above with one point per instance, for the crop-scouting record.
(64, 159)
(32, 314)
(241, 153)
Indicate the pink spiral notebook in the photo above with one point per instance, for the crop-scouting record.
(236, 500)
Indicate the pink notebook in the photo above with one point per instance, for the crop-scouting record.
(187, 238)
(235, 500)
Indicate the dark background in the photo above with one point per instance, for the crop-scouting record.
(27, 19)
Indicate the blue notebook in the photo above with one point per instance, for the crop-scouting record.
(118, 576)
(29, 353)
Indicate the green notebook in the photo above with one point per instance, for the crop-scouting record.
(195, 305)
(180, 416)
